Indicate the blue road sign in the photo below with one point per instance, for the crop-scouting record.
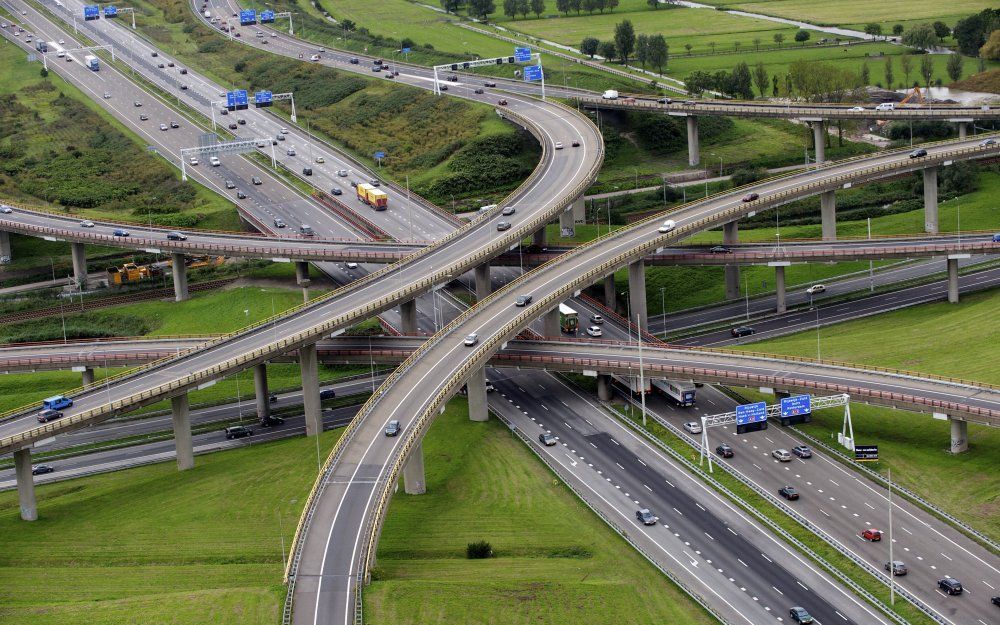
(532, 72)
(266, 17)
(796, 405)
(91, 12)
(380, 155)
(751, 413)
(236, 99)
(248, 16)
(522, 55)
(263, 98)
(405, 50)
(110, 12)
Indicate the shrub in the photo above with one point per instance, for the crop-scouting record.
(479, 550)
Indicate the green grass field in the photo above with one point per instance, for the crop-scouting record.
(852, 12)
(555, 561)
(151, 545)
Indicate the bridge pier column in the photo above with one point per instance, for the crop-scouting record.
(637, 292)
(953, 280)
(931, 200)
(302, 278)
(483, 285)
(610, 295)
(414, 480)
(79, 265)
(408, 316)
(963, 130)
(25, 485)
(261, 392)
(828, 215)
(180, 278)
(551, 323)
(567, 223)
(181, 415)
(959, 435)
(603, 387)
(5, 251)
(819, 139)
(475, 388)
(538, 238)
(310, 389)
(88, 377)
(779, 287)
(694, 156)
(730, 236)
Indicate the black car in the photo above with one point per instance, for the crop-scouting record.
(724, 450)
(802, 451)
(174, 125)
(233, 126)
(479, 92)
(354, 60)
(241, 122)
(788, 492)
(238, 431)
(307, 171)
(950, 585)
(799, 615)
(489, 83)
(995, 601)
(41, 469)
(49, 415)
(453, 78)
(443, 87)
(327, 393)
(176, 236)
(719, 249)
(336, 191)
(522, 300)
(256, 180)
(918, 153)
(183, 71)
(271, 421)
(230, 184)
(241, 195)
(393, 428)
(664, 101)
(547, 439)
(742, 331)
(645, 517)
(273, 397)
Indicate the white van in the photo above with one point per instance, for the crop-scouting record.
(610, 94)
(886, 106)
(208, 14)
(215, 162)
(488, 207)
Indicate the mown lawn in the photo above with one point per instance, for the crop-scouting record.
(556, 562)
(848, 12)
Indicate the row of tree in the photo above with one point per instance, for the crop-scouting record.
(565, 6)
(511, 8)
(646, 49)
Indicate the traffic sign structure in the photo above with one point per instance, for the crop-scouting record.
(110, 12)
(263, 98)
(267, 17)
(522, 55)
(533, 73)
(91, 12)
(751, 413)
(237, 100)
(866, 453)
(248, 16)
(796, 405)
(380, 155)
(537, 73)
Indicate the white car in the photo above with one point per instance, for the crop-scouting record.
(193, 160)
(782, 455)
(352, 265)
(472, 339)
(559, 145)
(290, 151)
(816, 288)
(314, 57)
(667, 226)
(693, 427)
(320, 159)
(284, 131)
(856, 108)
(594, 331)
(214, 161)
(86, 224)
(342, 173)
(61, 54)
(62, 41)
(6, 210)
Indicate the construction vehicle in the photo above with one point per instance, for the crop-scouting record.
(376, 198)
(131, 272)
(194, 262)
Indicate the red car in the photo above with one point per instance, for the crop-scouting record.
(750, 197)
(872, 534)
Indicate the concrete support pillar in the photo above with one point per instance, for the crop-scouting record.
(5, 251)
(483, 285)
(567, 225)
(931, 200)
(538, 239)
(610, 295)
(414, 480)
(79, 265)
(310, 389)
(730, 236)
(959, 435)
(694, 156)
(637, 292)
(551, 323)
(302, 278)
(25, 485)
(88, 377)
(819, 139)
(261, 392)
(180, 278)
(181, 414)
(604, 387)
(476, 390)
(828, 214)
(953, 280)
(580, 210)
(779, 287)
(963, 130)
(408, 315)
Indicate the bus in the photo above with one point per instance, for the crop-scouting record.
(569, 320)
(682, 392)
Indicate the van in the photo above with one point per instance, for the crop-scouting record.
(306, 231)
(886, 106)
(57, 402)
(215, 162)
(610, 94)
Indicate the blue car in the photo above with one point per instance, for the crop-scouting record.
(996, 238)
(120, 232)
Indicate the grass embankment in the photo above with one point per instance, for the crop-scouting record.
(470, 155)
(555, 561)
(60, 148)
(988, 81)
(208, 312)
(946, 339)
(151, 545)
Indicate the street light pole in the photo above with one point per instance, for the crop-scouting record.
(642, 379)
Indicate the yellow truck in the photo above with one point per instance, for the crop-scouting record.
(131, 272)
(376, 198)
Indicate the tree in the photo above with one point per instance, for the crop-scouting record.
(888, 72)
(481, 8)
(740, 82)
(873, 29)
(659, 52)
(624, 39)
(653, 3)
(612, 5)
(941, 29)
(954, 66)
(866, 74)
(449, 6)
(589, 46)
(756, 44)
(510, 8)
(642, 49)
(589, 5)
(563, 6)
(736, 46)
(608, 50)
(802, 36)
(711, 44)
(972, 32)
(906, 62)
(897, 29)
(575, 6)
(775, 89)
(523, 7)
(761, 79)
(538, 7)
(990, 49)
(927, 69)
(699, 81)
(778, 38)
(921, 36)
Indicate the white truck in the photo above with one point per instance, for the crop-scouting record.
(208, 14)
(632, 383)
(610, 94)
(682, 392)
